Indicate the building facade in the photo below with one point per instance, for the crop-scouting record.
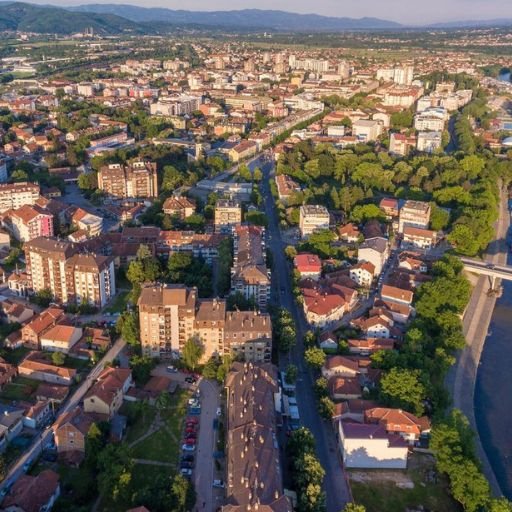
(136, 179)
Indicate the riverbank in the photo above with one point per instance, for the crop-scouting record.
(461, 379)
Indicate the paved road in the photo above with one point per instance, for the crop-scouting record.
(335, 482)
(45, 436)
(462, 376)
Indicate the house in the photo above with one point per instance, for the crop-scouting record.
(7, 373)
(369, 446)
(375, 251)
(36, 366)
(53, 393)
(418, 238)
(328, 341)
(389, 206)
(106, 395)
(363, 274)
(38, 415)
(395, 294)
(349, 232)
(340, 366)
(286, 186)
(344, 388)
(61, 338)
(19, 283)
(398, 421)
(309, 265)
(87, 222)
(321, 308)
(353, 409)
(32, 332)
(181, 207)
(376, 326)
(11, 424)
(15, 312)
(33, 493)
(368, 346)
(70, 430)
(412, 261)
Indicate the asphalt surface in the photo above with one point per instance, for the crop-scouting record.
(335, 481)
(45, 437)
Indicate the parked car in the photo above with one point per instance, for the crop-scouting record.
(219, 484)
(191, 435)
(186, 471)
(219, 411)
(186, 465)
(192, 420)
(189, 441)
(195, 411)
(172, 369)
(188, 447)
(190, 430)
(190, 379)
(193, 402)
(187, 458)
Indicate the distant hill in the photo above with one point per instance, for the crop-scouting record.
(54, 20)
(243, 19)
(505, 22)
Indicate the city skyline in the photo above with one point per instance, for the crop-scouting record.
(411, 12)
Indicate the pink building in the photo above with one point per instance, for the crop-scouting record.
(29, 222)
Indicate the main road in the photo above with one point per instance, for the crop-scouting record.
(44, 437)
(462, 377)
(335, 482)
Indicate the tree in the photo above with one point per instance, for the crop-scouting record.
(183, 495)
(58, 358)
(19, 175)
(141, 368)
(257, 175)
(291, 374)
(128, 328)
(352, 507)
(192, 352)
(321, 387)
(87, 181)
(326, 407)
(43, 297)
(115, 473)
(315, 357)
(290, 252)
(403, 388)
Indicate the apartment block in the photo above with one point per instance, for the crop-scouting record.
(29, 222)
(170, 315)
(249, 274)
(16, 195)
(254, 479)
(72, 277)
(136, 179)
(367, 130)
(429, 141)
(228, 215)
(313, 218)
(414, 214)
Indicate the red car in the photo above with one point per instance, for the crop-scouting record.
(191, 435)
(195, 421)
(190, 430)
(189, 441)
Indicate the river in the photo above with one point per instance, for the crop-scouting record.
(493, 391)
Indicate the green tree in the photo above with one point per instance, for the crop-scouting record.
(352, 507)
(43, 297)
(291, 374)
(88, 181)
(141, 368)
(403, 388)
(192, 352)
(290, 252)
(58, 358)
(326, 407)
(115, 473)
(128, 328)
(315, 357)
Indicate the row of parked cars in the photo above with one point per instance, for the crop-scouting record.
(190, 433)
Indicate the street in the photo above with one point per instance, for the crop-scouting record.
(44, 437)
(335, 481)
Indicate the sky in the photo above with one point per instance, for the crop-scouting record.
(415, 12)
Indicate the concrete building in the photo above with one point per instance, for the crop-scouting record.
(137, 179)
(249, 274)
(228, 215)
(367, 130)
(16, 195)
(375, 251)
(29, 222)
(181, 207)
(313, 218)
(429, 142)
(254, 479)
(414, 214)
(175, 105)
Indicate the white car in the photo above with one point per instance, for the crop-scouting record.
(219, 411)
(186, 472)
(219, 484)
(188, 447)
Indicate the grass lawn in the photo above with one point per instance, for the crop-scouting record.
(164, 444)
(76, 363)
(383, 495)
(15, 356)
(118, 305)
(144, 474)
(138, 423)
(20, 388)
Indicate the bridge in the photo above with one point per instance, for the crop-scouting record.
(494, 271)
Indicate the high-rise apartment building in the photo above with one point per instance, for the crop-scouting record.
(414, 214)
(71, 276)
(170, 315)
(313, 217)
(136, 179)
(16, 195)
(228, 215)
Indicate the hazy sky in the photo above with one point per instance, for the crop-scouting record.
(405, 11)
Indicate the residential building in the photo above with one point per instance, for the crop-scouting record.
(32, 332)
(375, 251)
(7, 372)
(61, 338)
(313, 218)
(11, 424)
(415, 214)
(344, 388)
(418, 238)
(70, 430)
(399, 75)
(426, 121)
(389, 206)
(170, 315)
(429, 142)
(368, 446)
(286, 186)
(72, 277)
(367, 130)
(181, 207)
(254, 479)
(29, 222)
(205, 246)
(340, 366)
(249, 274)
(367, 346)
(33, 493)
(16, 195)
(228, 215)
(243, 150)
(363, 273)
(106, 395)
(87, 222)
(349, 233)
(323, 309)
(36, 366)
(137, 179)
(308, 265)
(177, 105)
